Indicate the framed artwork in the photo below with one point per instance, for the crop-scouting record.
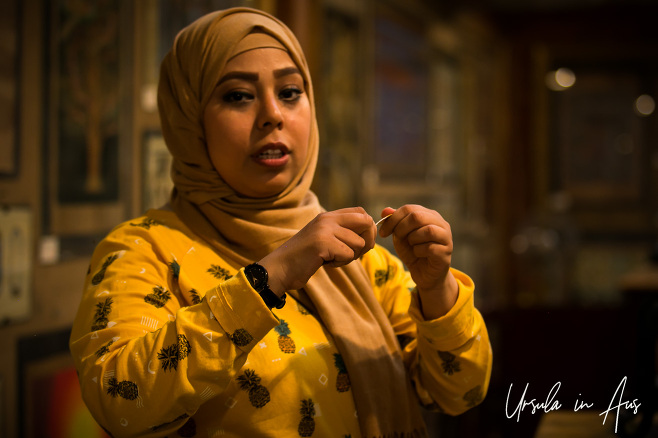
(401, 89)
(87, 117)
(157, 183)
(340, 109)
(176, 14)
(50, 401)
(10, 19)
(15, 263)
(600, 139)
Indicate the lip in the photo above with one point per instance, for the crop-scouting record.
(282, 159)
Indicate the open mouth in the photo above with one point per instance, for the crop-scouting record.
(270, 154)
(274, 154)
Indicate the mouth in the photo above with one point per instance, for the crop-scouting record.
(272, 155)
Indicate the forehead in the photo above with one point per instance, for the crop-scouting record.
(260, 60)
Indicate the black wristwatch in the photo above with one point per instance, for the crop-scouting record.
(257, 276)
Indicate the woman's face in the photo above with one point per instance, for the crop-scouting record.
(257, 123)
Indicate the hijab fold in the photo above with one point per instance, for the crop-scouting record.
(244, 230)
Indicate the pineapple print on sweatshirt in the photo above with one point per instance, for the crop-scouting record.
(241, 338)
(124, 389)
(100, 275)
(158, 297)
(307, 424)
(342, 379)
(259, 396)
(103, 310)
(218, 272)
(173, 354)
(382, 276)
(449, 363)
(286, 344)
(175, 270)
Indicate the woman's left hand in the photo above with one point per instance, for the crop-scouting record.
(423, 241)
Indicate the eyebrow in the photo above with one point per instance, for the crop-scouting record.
(253, 77)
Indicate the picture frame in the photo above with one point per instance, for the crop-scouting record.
(16, 246)
(401, 84)
(595, 123)
(157, 184)
(599, 156)
(339, 96)
(87, 136)
(50, 401)
(10, 23)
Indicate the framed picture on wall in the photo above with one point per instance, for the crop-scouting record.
(600, 157)
(401, 89)
(15, 263)
(340, 108)
(10, 19)
(50, 401)
(87, 121)
(156, 182)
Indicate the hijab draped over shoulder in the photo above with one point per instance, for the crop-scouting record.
(244, 230)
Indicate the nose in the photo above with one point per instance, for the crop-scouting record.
(270, 113)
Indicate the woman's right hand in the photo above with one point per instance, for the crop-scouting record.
(333, 238)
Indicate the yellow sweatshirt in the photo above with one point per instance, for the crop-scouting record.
(171, 340)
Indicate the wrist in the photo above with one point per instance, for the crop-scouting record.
(275, 283)
(258, 277)
(437, 301)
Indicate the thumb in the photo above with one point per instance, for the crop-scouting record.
(387, 211)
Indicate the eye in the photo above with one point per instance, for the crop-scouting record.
(290, 94)
(237, 97)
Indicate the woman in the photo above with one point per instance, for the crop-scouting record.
(184, 327)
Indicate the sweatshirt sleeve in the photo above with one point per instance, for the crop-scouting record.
(449, 359)
(146, 358)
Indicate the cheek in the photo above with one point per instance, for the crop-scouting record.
(225, 135)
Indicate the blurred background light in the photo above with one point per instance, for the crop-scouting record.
(560, 79)
(645, 105)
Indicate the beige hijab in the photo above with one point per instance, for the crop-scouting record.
(244, 230)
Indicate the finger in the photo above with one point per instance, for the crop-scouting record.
(416, 219)
(359, 243)
(387, 211)
(431, 250)
(430, 234)
(344, 247)
(386, 227)
(355, 219)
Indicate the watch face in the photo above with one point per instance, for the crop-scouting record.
(258, 276)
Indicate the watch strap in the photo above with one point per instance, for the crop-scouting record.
(258, 278)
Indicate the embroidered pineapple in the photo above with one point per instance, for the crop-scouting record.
(382, 276)
(124, 389)
(146, 223)
(103, 310)
(175, 269)
(104, 349)
(171, 355)
(196, 299)
(473, 397)
(219, 272)
(450, 364)
(96, 279)
(159, 297)
(286, 344)
(259, 396)
(241, 337)
(342, 380)
(307, 424)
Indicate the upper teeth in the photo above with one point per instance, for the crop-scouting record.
(271, 153)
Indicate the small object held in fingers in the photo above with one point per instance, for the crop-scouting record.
(382, 220)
